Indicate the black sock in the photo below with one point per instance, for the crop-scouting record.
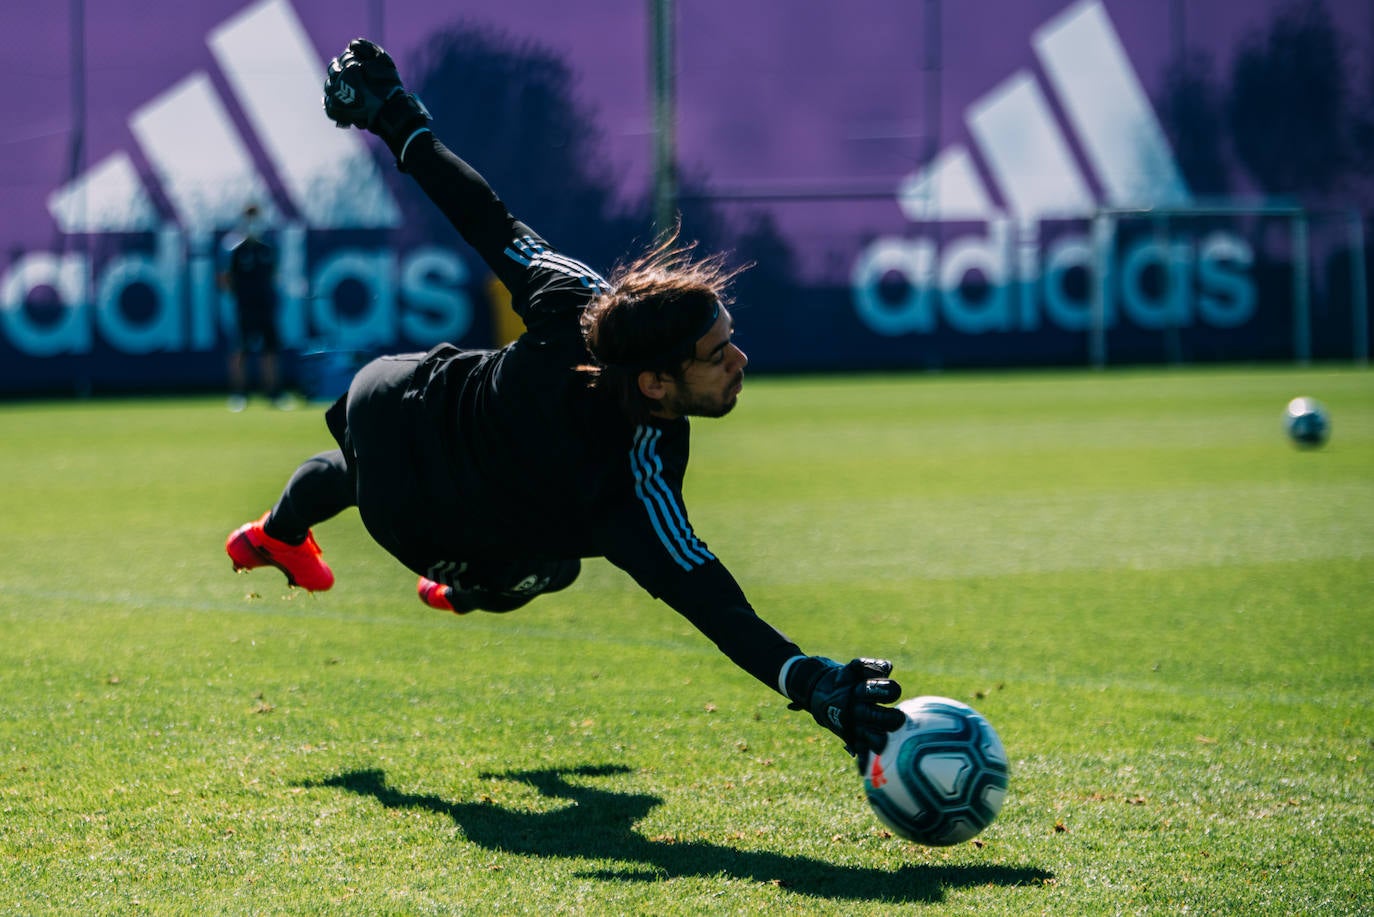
(322, 487)
(273, 530)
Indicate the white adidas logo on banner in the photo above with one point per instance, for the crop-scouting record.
(1036, 177)
(1027, 154)
(205, 168)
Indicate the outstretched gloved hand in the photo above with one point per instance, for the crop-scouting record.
(363, 89)
(848, 699)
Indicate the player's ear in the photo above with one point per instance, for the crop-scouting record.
(652, 385)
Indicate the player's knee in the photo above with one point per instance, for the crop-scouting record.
(561, 575)
(550, 576)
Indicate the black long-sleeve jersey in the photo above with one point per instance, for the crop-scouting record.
(525, 460)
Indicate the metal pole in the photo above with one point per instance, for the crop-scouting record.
(931, 109)
(1359, 290)
(1173, 345)
(1302, 312)
(1104, 240)
(79, 241)
(663, 67)
(376, 22)
(932, 67)
(76, 156)
(1178, 29)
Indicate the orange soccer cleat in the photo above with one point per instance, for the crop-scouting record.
(249, 546)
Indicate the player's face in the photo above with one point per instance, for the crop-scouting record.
(712, 379)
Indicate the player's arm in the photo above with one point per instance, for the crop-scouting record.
(846, 699)
(651, 539)
(363, 89)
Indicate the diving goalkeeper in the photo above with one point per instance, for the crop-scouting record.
(492, 473)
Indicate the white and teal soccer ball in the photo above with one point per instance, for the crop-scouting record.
(943, 775)
(1306, 422)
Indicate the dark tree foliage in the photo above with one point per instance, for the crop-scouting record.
(1192, 111)
(1289, 109)
(509, 107)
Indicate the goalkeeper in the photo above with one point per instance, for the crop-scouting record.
(492, 473)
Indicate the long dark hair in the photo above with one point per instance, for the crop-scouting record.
(658, 306)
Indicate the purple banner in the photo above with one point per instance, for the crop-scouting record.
(918, 185)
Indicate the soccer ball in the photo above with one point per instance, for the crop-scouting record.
(943, 775)
(1306, 422)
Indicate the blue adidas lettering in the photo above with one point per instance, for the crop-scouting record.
(1207, 275)
(329, 177)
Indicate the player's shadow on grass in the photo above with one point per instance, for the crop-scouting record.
(599, 824)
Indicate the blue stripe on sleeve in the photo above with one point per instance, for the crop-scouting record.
(528, 252)
(664, 509)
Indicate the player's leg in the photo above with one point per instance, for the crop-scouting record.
(319, 489)
(323, 486)
(269, 363)
(269, 369)
(243, 337)
(238, 380)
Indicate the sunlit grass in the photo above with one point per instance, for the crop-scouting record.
(1163, 607)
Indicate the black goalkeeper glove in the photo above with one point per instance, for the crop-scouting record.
(846, 699)
(364, 90)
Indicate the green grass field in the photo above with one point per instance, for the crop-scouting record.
(1165, 609)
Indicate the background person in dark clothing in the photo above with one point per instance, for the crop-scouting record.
(250, 275)
(492, 473)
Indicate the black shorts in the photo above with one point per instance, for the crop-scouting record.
(408, 500)
(255, 331)
(373, 428)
